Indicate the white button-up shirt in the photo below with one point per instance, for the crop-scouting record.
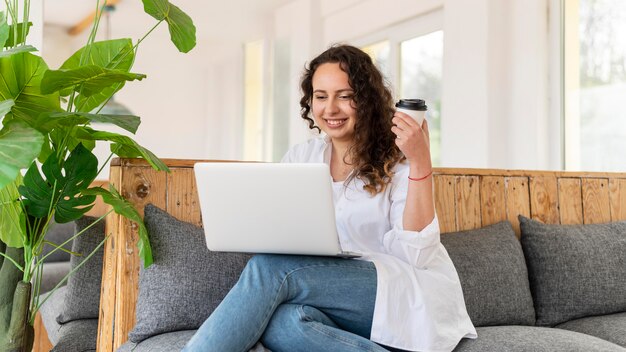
(419, 302)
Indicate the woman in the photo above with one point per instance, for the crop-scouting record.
(404, 293)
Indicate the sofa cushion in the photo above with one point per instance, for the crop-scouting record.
(575, 270)
(52, 274)
(77, 336)
(50, 310)
(493, 275)
(610, 327)
(58, 233)
(171, 341)
(533, 339)
(186, 282)
(82, 299)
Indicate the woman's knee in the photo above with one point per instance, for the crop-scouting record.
(291, 325)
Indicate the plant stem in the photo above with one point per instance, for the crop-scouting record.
(12, 261)
(34, 311)
(106, 162)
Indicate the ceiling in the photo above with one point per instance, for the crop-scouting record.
(210, 17)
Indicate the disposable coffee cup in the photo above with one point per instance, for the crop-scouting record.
(416, 108)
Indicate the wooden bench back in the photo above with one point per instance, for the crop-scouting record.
(465, 199)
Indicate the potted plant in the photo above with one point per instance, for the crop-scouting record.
(46, 143)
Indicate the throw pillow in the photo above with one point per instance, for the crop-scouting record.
(493, 275)
(575, 270)
(186, 282)
(82, 299)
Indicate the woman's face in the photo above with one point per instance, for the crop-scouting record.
(332, 106)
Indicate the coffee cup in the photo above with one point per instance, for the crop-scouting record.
(416, 108)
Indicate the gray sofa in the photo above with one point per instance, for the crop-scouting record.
(561, 288)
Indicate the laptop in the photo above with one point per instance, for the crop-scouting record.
(281, 208)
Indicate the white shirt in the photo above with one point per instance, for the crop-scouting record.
(419, 302)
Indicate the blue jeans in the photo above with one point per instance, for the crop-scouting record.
(294, 303)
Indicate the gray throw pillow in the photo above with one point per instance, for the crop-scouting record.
(186, 282)
(82, 299)
(493, 275)
(575, 270)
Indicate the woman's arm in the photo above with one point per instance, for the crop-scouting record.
(414, 141)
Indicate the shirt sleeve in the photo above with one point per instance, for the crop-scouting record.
(413, 247)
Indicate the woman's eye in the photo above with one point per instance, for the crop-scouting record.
(320, 97)
(345, 97)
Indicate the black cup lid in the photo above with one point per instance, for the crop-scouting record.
(412, 104)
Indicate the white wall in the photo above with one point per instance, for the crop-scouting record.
(495, 79)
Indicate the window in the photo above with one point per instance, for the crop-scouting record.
(410, 55)
(594, 84)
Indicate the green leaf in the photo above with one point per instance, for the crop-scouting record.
(48, 122)
(20, 37)
(181, 27)
(5, 107)
(125, 146)
(21, 78)
(124, 208)
(115, 54)
(19, 146)
(88, 80)
(12, 219)
(4, 29)
(17, 50)
(62, 187)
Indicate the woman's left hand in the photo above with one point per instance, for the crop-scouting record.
(413, 140)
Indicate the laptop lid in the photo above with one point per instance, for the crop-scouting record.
(284, 208)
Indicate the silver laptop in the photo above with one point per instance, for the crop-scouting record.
(268, 208)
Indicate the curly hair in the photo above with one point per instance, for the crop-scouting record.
(373, 152)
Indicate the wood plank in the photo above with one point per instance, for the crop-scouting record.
(617, 191)
(492, 200)
(544, 199)
(109, 273)
(140, 186)
(182, 196)
(596, 205)
(436, 171)
(42, 342)
(517, 192)
(468, 203)
(570, 201)
(444, 202)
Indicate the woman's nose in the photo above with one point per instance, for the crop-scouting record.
(333, 106)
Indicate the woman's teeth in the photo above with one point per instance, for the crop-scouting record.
(335, 122)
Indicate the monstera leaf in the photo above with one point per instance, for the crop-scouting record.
(4, 28)
(182, 30)
(127, 210)
(62, 187)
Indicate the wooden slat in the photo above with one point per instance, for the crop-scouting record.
(42, 342)
(182, 197)
(570, 201)
(444, 202)
(437, 171)
(468, 203)
(492, 200)
(596, 205)
(109, 273)
(517, 200)
(544, 199)
(617, 191)
(140, 186)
